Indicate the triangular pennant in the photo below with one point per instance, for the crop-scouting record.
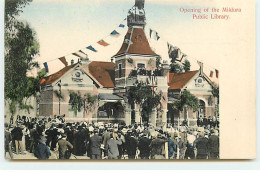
(121, 26)
(83, 52)
(211, 73)
(63, 60)
(216, 73)
(91, 48)
(78, 55)
(157, 37)
(114, 33)
(103, 43)
(151, 31)
(46, 67)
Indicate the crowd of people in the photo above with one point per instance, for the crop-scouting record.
(47, 136)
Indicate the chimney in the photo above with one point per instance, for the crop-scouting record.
(72, 61)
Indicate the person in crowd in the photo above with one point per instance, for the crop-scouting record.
(105, 137)
(201, 146)
(121, 148)
(42, 151)
(143, 146)
(116, 140)
(157, 147)
(131, 144)
(80, 142)
(54, 134)
(64, 147)
(213, 145)
(112, 146)
(95, 144)
(33, 134)
(8, 140)
(172, 146)
(189, 146)
(26, 133)
(17, 135)
(205, 121)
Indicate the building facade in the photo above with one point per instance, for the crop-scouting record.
(106, 84)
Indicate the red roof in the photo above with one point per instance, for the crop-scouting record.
(179, 80)
(52, 78)
(138, 45)
(103, 72)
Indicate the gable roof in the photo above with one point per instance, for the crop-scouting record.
(179, 80)
(103, 72)
(54, 77)
(138, 44)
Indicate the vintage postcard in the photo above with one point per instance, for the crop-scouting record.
(129, 80)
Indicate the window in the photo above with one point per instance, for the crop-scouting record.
(119, 70)
(140, 66)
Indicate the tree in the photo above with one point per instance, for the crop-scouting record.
(186, 99)
(77, 102)
(175, 68)
(186, 65)
(21, 47)
(143, 95)
(215, 93)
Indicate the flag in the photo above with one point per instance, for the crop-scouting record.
(181, 56)
(114, 33)
(121, 25)
(211, 73)
(173, 52)
(103, 43)
(154, 34)
(157, 37)
(91, 48)
(216, 73)
(42, 81)
(151, 31)
(82, 52)
(63, 60)
(170, 48)
(77, 54)
(46, 67)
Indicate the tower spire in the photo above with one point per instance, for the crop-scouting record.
(136, 15)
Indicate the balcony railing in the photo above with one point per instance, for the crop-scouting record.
(143, 72)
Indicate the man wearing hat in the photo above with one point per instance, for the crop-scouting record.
(201, 145)
(157, 147)
(42, 152)
(8, 139)
(95, 144)
(18, 134)
(214, 145)
(63, 146)
(143, 146)
(112, 146)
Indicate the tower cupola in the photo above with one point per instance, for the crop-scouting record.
(136, 15)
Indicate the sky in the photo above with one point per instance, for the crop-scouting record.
(64, 27)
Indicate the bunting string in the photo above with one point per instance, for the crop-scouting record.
(176, 54)
(81, 54)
